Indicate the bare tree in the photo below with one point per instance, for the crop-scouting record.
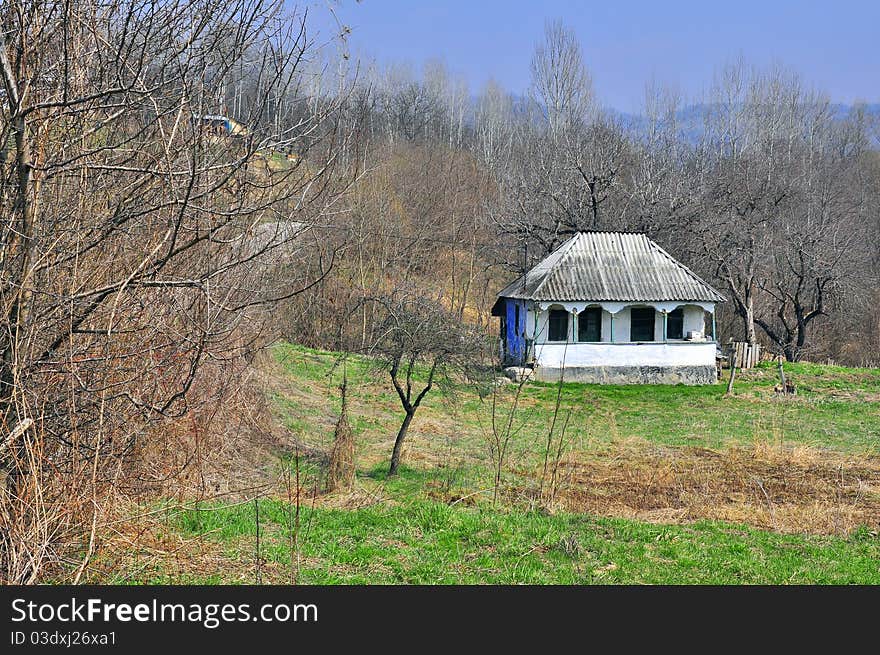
(144, 226)
(560, 80)
(421, 344)
(597, 153)
(494, 131)
(568, 158)
(819, 241)
(743, 156)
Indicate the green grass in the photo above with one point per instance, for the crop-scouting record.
(425, 542)
(836, 407)
(435, 524)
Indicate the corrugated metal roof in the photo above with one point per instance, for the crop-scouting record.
(612, 266)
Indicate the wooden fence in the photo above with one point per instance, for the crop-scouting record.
(746, 354)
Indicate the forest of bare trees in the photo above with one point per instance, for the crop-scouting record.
(762, 186)
(140, 250)
(145, 258)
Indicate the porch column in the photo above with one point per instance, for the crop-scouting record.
(612, 326)
(665, 315)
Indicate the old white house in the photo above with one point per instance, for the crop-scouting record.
(610, 307)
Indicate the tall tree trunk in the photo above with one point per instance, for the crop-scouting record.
(749, 318)
(398, 443)
(743, 292)
(17, 260)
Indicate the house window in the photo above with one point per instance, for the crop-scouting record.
(641, 326)
(558, 325)
(516, 320)
(675, 324)
(590, 325)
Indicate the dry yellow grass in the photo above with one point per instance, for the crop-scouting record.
(787, 489)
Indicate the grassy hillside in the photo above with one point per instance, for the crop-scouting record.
(836, 407)
(655, 484)
(425, 542)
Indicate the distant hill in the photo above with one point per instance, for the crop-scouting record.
(690, 118)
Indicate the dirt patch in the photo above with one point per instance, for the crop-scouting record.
(808, 395)
(778, 488)
(865, 396)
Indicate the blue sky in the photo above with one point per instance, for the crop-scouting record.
(835, 45)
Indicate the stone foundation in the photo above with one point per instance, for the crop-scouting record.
(631, 374)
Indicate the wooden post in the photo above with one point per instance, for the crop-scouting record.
(732, 371)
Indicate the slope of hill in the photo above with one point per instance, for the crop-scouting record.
(644, 485)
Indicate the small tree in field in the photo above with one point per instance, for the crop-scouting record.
(421, 345)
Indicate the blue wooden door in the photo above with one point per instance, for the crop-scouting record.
(516, 331)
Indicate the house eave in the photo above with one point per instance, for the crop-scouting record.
(555, 299)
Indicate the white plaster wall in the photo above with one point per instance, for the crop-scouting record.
(540, 333)
(606, 326)
(544, 330)
(621, 325)
(677, 353)
(543, 319)
(537, 324)
(530, 320)
(658, 326)
(693, 319)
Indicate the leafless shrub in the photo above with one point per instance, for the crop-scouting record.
(342, 466)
